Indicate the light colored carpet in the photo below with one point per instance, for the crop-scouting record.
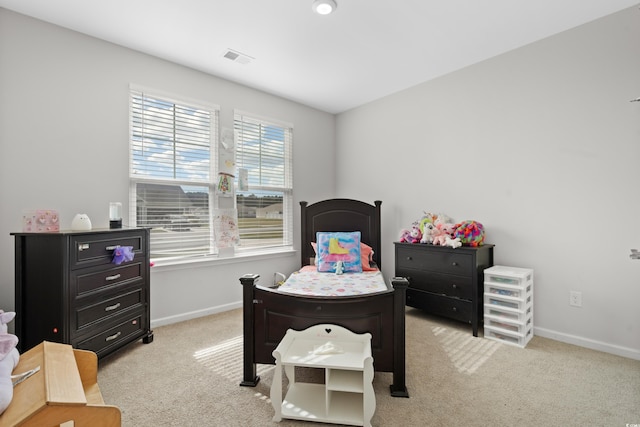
(190, 375)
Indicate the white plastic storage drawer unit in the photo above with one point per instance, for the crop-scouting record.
(508, 304)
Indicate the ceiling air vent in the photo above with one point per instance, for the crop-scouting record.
(238, 57)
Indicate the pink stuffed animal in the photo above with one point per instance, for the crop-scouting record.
(411, 236)
(442, 231)
(9, 358)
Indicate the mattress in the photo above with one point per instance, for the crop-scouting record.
(310, 282)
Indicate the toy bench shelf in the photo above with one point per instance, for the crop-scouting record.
(347, 395)
(64, 391)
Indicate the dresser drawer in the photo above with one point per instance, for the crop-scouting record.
(97, 249)
(437, 283)
(437, 259)
(115, 336)
(440, 305)
(109, 308)
(84, 282)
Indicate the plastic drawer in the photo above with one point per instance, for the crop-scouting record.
(508, 324)
(504, 301)
(519, 339)
(509, 314)
(514, 276)
(507, 290)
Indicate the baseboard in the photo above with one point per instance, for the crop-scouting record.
(588, 343)
(194, 314)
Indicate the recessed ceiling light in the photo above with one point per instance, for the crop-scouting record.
(324, 7)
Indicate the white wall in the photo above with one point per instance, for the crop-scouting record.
(542, 146)
(64, 145)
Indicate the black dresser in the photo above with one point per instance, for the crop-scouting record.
(445, 281)
(68, 290)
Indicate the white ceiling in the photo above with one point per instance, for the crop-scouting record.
(365, 50)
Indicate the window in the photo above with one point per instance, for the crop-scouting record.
(171, 173)
(265, 206)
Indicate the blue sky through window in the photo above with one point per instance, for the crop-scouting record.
(170, 141)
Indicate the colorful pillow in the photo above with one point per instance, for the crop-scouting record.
(366, 256)
(338, 246)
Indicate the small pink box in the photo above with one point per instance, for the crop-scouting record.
(41, 220)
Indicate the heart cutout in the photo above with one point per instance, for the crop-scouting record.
(328, 330)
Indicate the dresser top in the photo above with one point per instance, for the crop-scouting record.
(438, 247)
(75, 232)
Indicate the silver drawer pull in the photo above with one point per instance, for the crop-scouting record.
(112, 307)
(454, 263)
(409, 258)
(110, 248)
(114, 277)
(113, 337)
(455, 309)
(454, 286)
(83, 246)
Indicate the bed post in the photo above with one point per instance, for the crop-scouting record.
(378, 227)
(303, 237)
(399, 388)
(250, 378)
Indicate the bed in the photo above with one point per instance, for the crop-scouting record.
(268, 312)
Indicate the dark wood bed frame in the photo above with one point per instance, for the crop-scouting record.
(267, 314)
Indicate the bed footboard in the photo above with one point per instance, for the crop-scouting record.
(267, 314)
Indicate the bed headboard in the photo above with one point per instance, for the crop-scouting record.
(340, 215)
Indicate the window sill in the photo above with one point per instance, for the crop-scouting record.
(207, 261)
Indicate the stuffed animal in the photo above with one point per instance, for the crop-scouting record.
(9, 358)
(416, 234)
(411, 236)
(441, 232)
(122, 254)
(427, 218)
(427, 234)
(433, 218)
(471, 233)
(454, 243)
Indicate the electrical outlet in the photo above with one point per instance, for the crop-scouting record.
(575, 298)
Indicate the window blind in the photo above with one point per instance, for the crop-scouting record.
(265, 211)
(171, 173)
